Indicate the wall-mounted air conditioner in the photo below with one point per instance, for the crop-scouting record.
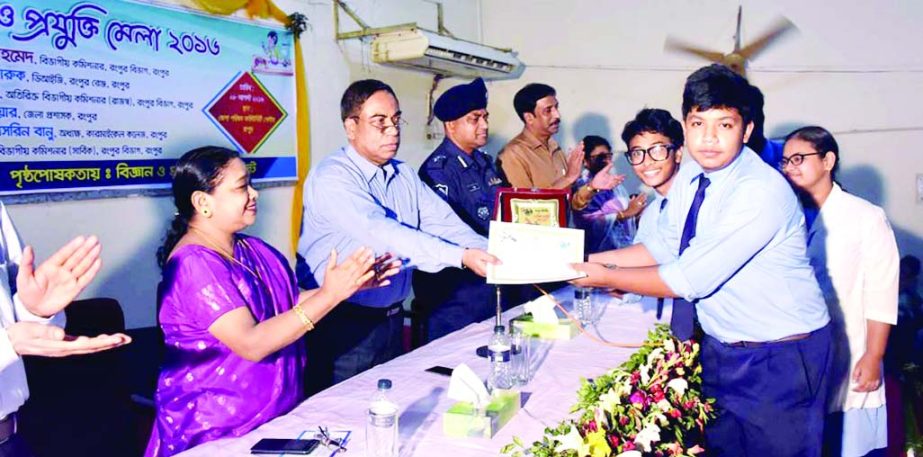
(431, 52)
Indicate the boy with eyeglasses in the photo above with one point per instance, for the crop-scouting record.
(655, 150)
(741, 264)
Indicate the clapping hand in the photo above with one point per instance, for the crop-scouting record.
(575, 161)
(48, 289)
(343, 280)
(33, 338)
(385, 267)
(635, 206)
(603, 180)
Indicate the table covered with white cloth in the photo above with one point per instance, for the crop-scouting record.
(557, 365)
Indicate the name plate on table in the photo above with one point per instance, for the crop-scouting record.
(463, 420)
(564, 329)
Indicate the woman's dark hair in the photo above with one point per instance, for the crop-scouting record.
(525, 100)
(821, 140)
(653, 120)
(591, 142)
(197, 170)
(717, 86)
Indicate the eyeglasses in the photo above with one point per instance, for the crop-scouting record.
(795, 159)
(601, 156)
(657, 153)
(378, 122)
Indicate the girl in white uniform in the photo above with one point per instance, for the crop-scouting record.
(855, 259)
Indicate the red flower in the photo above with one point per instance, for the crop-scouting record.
(591, 426)
(674, 413)
(635, 377)
(629, 446)
(614, 440)
(623, 420)
(658, 395)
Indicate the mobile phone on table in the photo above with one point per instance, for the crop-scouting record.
(445, 371)
(284, 446)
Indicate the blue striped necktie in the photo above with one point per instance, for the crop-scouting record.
(683, 321)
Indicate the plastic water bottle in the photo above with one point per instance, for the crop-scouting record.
(583, 305)
(381, 429)
(498, 350)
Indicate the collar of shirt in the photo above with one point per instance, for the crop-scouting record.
(827, 212)
(534, 143)
(450, 149)
(718, 177)
(368, 169)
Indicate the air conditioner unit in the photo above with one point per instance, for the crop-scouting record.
(431, 52)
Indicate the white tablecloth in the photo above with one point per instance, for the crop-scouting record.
(558, 367)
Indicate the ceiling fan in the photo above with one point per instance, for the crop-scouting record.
(738, 58)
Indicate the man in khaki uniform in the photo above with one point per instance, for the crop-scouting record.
(533, 159)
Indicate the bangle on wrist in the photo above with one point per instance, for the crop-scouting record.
(299, 311)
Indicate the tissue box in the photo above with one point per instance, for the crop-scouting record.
(565, 329)
(462, 420)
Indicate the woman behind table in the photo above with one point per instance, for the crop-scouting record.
(230, 310)
(855, 260)
(608, 220)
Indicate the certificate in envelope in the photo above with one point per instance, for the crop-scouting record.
(533, 254)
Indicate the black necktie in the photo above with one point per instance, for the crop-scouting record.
(683, 320)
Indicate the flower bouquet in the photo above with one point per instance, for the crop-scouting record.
(651, 405)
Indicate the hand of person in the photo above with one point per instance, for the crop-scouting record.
(33, 338)
(477, 260)
(384, 268)
(343, 280)
(48, 289)
(606, 181)
(595, 275)
(616, 293)
(867, 373)
(575, 161)
(635, 205)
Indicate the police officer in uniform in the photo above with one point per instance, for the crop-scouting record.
(464, 177)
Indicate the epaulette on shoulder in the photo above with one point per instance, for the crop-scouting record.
(437, 162)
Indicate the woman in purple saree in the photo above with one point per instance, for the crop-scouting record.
(231, 312)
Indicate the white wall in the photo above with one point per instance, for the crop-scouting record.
(131, 228)
(854, 67)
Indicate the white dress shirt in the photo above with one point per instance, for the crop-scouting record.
(13, 388)
(855, 259)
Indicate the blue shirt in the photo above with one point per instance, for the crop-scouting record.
(468, 183)
(650, 218)
(747, 265)
(772, 153)
(349, 202)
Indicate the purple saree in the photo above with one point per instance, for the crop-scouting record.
(205, 391)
